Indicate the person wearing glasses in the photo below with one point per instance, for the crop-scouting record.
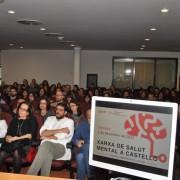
(21, 131)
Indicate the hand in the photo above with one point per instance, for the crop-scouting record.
(80, 143)
(43, 137)
(10, 139)
(29, 136)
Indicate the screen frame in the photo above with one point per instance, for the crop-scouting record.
(126, 170)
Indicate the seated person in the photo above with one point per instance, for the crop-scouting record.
(55, 133)
(75, 113)
(59, 98)
(21, 131)
(3, 129)
(44, 110)
(81, 140)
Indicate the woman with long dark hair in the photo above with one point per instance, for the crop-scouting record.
(44, 110)
(75, 112)
(21, 131)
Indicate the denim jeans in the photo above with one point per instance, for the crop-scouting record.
(82, 159)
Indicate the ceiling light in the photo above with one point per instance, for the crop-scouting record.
(11, 44)
(29, 22)
(72, 45)
(21, 47)
(11, 12)
(143, 46)
(147, 39)
(153, 29)
(53, 34)
(61, 37)
(164, 10)
(66, 41)
(43, 29)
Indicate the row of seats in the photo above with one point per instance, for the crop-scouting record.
(56, 164)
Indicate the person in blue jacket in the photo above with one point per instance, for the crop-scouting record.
(81, 140)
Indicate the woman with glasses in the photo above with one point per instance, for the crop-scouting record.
(21, 131)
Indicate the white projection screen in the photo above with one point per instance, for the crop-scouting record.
(134, 137)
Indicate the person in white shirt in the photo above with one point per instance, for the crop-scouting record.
(3, 129)
(55, 133)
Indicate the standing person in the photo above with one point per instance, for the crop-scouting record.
(21, 131)
(55, 133)
(81, 140)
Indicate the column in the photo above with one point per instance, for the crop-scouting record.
(77, 65)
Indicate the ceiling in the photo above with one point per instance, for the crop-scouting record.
(91, 24)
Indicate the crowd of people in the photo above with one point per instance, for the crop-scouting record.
(65, 112)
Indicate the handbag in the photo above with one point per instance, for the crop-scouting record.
(31, 154)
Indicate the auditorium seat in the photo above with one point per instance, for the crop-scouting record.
(6, 116)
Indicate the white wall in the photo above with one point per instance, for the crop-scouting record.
(100, 62)
(53, 65)
(57, 65)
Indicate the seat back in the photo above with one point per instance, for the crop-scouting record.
(40, 121)
(6, 116)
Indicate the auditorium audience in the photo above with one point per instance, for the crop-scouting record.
(49, 102)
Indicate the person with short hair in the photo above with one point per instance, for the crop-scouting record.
(59, 98)
(55, 133)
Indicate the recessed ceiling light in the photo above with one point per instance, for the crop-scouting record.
(53, 34)
(143, 46)
(21, 47)
(164, 10)
(11, 44)
(72, 45)
(43, 29)
(147, 39)
(153, 29)
(31, 22)
(61, 37)
(11, 12)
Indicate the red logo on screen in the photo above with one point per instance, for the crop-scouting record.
(148, 127)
